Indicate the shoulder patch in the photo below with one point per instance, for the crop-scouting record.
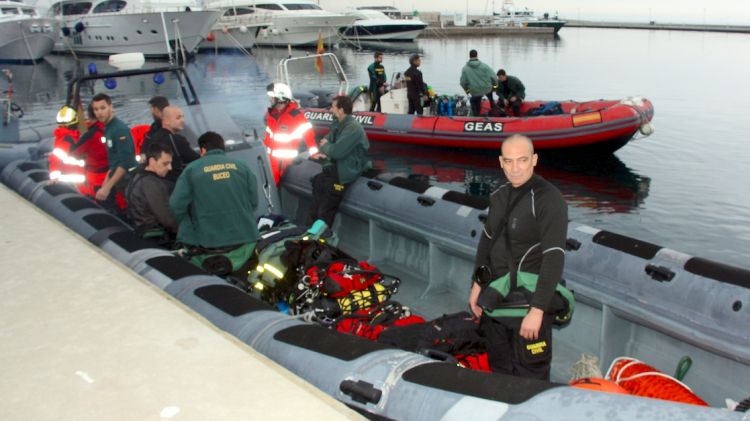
(294, 113)
(123, 137)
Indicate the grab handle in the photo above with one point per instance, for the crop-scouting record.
(438, 355)
(659, 273)
(373, 185)
(425, 201)
(361, 391)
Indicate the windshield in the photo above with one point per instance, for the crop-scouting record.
(302, 6)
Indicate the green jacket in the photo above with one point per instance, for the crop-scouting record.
(347, 149)
(214, 202)
(120, 148)
(477, 78)
(515, 88)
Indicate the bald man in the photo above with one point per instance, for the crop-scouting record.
(172, 122)
(524, 236)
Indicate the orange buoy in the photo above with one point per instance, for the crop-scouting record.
(210, 37)
(599, 384)
(641, 379)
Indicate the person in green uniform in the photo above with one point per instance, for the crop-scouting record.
(344, 153)
(120, 150)
(378, 81)
(214, 203)
(510, 92)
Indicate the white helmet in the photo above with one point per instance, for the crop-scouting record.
(280, 91)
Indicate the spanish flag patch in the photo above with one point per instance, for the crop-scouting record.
(587, 118)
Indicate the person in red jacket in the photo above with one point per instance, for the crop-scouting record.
(93, 152)
(63, 167)
(287, 129)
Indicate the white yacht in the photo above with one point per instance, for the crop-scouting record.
(511, 16)
(293, 22)
(24, 34)
(153, 27)
(237, 28)
(374, 25)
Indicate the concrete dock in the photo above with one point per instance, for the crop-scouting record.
(472, 31)
(84, 338)
(659, 26)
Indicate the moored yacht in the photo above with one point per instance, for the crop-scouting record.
(106, 27)
(238, 27)
(373, 25)
(293, 22)
(511, 16)
(24, 34)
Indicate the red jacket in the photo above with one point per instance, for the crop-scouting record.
(93, 152)
(62, 165)
(286, 130)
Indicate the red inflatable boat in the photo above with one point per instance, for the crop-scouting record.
(603, 126)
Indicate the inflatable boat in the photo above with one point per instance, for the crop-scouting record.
(602, 126)
(631, 297)
(631, 301)
(595, 126)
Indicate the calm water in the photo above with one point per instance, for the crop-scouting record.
(684, 187)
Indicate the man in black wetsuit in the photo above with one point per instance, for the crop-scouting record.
(416, 92)
(173, 122)
(526, 228)
(157, 104)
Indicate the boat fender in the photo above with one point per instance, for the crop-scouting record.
(80, 27)
(126, 61)
(599, 385)
(65, 31)
(243, 28)
(210, 37)
(361, 391)
(647, 129)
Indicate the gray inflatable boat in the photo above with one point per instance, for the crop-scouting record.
(634, 298)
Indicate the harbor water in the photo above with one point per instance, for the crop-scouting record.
(684, 187)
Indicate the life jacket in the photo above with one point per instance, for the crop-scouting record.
(286, 131)
(93, 152)
(139, 135)
(62, 165)
(371, 323)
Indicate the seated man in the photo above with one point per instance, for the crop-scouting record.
(173, 122)
(148, 196)
(214, 203)
(510, 92)
(345, 158)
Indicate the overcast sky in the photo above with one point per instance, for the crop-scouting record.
(735, 12)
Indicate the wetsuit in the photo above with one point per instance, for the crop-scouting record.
(376, 72)
(182, 153)
(537, 228)
(415, 89)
